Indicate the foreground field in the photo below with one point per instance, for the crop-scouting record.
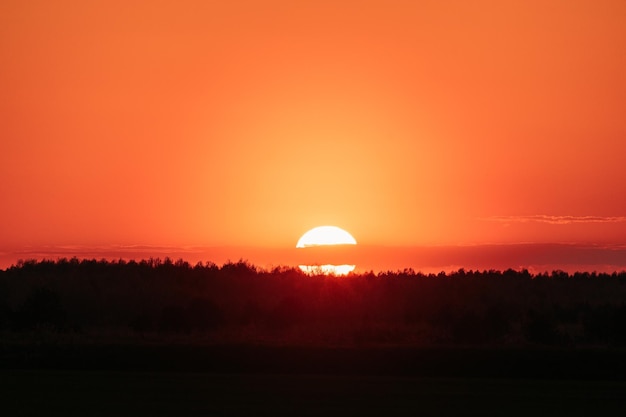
(94, 393)
(441, 362)
(163, 338)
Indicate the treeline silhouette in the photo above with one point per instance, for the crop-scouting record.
(158, 300)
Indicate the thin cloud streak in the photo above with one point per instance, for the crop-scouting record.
(533, 256)
(542, 218)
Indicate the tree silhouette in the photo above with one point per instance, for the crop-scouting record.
(238, 301)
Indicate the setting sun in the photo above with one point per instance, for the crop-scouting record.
(326, 236)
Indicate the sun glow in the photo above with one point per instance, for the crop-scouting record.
(326, 236)
(327, 269)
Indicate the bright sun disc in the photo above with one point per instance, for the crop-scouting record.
(325, 235)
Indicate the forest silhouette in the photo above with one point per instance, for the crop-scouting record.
(163, 300)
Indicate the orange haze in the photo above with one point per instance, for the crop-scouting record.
(246, 123)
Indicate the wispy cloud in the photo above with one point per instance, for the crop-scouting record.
(543, 218)
(121, 249)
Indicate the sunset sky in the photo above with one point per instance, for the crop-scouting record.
(152, 128)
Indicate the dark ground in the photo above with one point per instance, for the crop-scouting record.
(100, 393)
(162, 338)
(453, 362)
(274, 381)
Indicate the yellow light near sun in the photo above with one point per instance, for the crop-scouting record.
(326, 236)
(327, 269)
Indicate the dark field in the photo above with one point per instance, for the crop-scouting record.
(447, 362)
(275, 381)
(163, 338)
(68, 393)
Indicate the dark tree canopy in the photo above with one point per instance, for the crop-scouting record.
(237, 302)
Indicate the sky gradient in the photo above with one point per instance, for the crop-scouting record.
(243, 124)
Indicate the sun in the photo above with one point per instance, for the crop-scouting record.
(326, 236)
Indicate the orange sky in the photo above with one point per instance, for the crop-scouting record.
(246, 123)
